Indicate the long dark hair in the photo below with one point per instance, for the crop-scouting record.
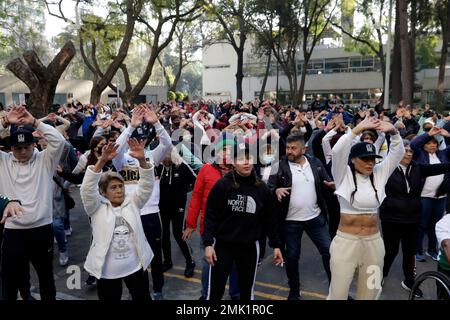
(92, 158)
(257, 182)
(352, 197)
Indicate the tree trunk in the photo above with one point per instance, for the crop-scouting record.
(383, 72)
(445, 26)
(127, 99)
(412, 44)
(239, 72)
(41, 80)
(407, 86)
(396, 66)
(266, 76)
(105, 80)
(301, 90)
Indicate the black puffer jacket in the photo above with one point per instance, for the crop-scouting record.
(400, 205)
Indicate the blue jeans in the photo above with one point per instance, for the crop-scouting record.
(317, 230)
(233, 288)
(60, 235)
(432, 211)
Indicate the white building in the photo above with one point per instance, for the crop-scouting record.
(331, 70)
(12, 90)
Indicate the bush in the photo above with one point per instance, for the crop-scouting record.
(180, 96)
(171, 96)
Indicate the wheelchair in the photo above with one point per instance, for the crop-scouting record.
(434, 284)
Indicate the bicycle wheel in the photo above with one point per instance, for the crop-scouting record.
(441, 283)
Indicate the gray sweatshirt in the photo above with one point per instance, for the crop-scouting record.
(31, 182)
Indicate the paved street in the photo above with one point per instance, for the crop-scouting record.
(271, 280)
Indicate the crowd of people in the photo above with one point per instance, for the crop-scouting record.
(357, 180)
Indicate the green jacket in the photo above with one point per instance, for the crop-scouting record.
(3, 203)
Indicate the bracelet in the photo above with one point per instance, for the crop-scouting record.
(15, 200)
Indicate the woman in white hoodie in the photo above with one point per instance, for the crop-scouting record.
(119, 249)
(360, 188)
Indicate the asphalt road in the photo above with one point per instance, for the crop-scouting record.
(271, 280)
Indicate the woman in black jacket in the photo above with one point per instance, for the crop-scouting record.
(239, 208)
(400, 212)
(176, 178)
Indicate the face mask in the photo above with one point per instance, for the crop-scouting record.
(268, 158)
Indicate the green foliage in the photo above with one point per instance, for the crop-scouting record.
(171, 96)
(180, 96)
(426, 56)
(22, 25)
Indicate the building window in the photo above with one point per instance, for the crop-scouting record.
(223, 93)
(219, 66)
(336, 65)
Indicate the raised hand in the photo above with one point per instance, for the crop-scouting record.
(13, 116)
(109, 152)
(137, 117)
(150, 116)
(434, 131)
(261, 114)
(386, 126)
(26, 118)
(136, 148)
(367, 123)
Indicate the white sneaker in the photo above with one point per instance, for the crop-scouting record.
(63, 258)
(68, 232)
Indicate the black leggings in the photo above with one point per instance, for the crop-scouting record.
(393, 233)
(137, 284)
(246, 258)
(152, 229)
(175, 216)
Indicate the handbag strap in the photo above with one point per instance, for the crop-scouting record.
(58, 183)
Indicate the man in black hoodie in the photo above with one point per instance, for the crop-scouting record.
(400, 212)
(239, 208)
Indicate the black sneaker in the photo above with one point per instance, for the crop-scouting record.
(294, 295)
(189, 271)
(202, 298)
(418, 293)
(167, 265)
(90, 280)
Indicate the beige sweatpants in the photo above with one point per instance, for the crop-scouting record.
(362, 254)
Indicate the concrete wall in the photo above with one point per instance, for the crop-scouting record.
(79, 89)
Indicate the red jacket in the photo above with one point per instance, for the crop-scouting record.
(206, 179)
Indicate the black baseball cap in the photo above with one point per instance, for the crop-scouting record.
(364, 150)
(21, 136)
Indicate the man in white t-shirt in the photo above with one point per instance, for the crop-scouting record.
(298, 187)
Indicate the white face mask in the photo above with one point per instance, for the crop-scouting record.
(268, 158)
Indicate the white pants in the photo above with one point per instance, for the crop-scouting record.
(363, 254)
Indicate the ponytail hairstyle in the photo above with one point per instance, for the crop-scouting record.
(352, 197)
